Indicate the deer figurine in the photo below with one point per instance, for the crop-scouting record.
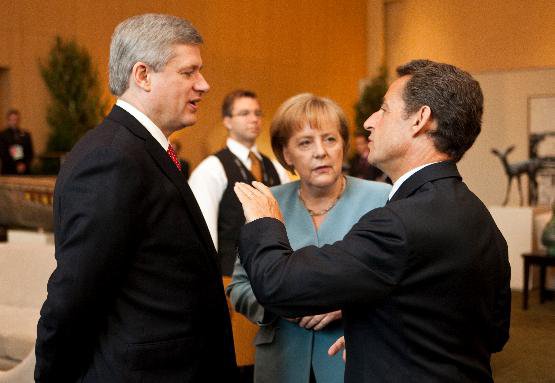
(516, 169)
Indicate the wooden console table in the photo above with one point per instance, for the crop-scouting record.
(543, 261)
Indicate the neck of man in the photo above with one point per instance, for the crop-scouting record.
(246, 143)
(414, 159)
(143, 107)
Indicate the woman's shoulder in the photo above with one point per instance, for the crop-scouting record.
(371, 194)
(361, 185)
(283, 190)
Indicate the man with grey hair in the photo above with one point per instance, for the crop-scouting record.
(137, 293)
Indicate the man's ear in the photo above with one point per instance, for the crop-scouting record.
(422, 120)
(141, 76)
(227, 122)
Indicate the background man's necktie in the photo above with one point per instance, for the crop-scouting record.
(256, 167)
(173, 157)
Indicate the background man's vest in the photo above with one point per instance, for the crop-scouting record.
(230, 216)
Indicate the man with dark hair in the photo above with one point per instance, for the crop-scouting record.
(424, 281)
(240, 161)
(137, 294)
(16, 147)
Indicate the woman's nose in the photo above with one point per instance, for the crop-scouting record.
(319, 149)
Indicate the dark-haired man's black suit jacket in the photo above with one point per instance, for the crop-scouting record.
(423, 282)
(137, 294)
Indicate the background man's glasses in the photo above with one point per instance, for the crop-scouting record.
(245, 113)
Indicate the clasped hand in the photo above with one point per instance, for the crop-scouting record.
(317, 322)
(258, 201)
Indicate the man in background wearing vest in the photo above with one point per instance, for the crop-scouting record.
(213, 180)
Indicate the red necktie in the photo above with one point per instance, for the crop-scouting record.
(173, 157)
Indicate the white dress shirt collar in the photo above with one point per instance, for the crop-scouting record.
(404, 177)
(146, 122)
(241, 151)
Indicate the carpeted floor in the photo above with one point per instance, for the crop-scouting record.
(529, 356)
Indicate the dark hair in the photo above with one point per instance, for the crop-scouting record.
(455, 99)
(302, 109)
(230, 98)
(12, 111)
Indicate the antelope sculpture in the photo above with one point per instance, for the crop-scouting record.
(516, 169)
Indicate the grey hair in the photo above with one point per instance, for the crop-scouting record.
(148, 38)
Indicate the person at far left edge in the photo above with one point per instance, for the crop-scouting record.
(16, 147)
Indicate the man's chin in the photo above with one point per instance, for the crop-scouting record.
(188, 121)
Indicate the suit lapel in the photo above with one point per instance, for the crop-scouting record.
(428, 174)
(170, 170)
(178, 179)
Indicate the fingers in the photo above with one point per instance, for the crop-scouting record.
(304, 320)
(257, 203)
(323, 323)
(241, 193)
(317, 322)
(247, 190)
(263, 189)
(337, 346)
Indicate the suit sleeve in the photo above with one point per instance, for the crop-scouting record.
(95, 211)
(502, 306)
(243, 300)
(362, 268)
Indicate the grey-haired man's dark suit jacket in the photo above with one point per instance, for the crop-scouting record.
(423, 282)
(137, 294)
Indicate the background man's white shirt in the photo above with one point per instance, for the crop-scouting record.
(209, 181)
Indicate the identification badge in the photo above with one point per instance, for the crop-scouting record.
(16, 151)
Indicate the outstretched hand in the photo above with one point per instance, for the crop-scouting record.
(258, 201)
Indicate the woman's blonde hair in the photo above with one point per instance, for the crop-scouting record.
(299, 111)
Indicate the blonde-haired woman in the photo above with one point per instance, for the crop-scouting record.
(309, 136)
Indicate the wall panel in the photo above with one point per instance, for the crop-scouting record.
(276, 48)
(479, 35)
